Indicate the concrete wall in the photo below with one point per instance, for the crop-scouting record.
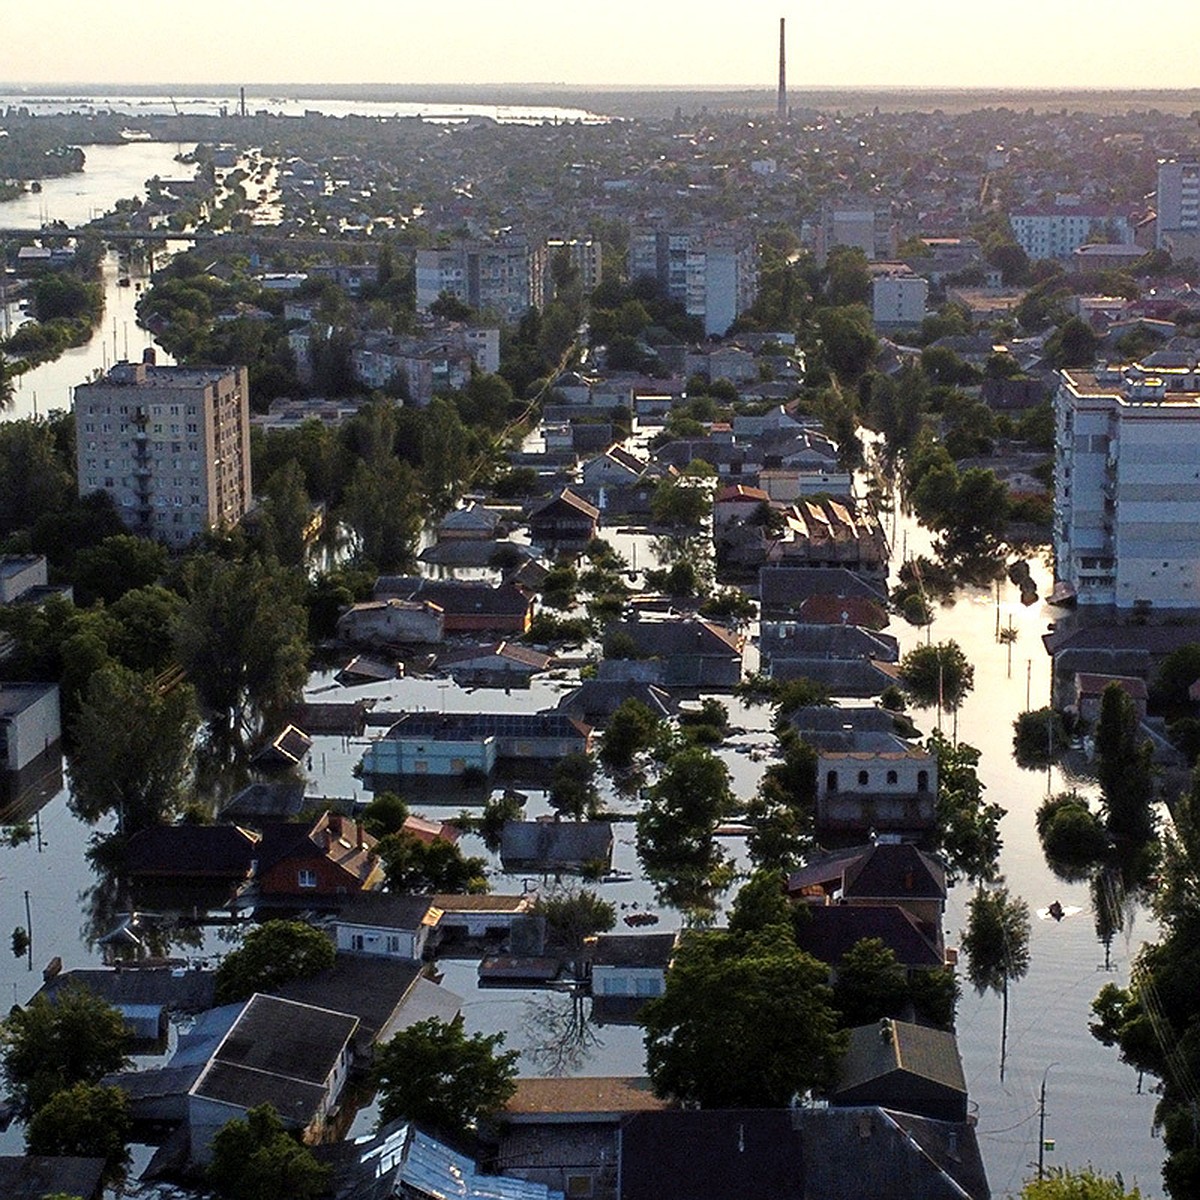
(29, 722)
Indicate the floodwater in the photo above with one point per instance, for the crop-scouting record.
(1095, 1113)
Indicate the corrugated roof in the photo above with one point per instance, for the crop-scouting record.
(886, 1046)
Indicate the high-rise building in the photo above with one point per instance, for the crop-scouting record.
(1127, 492)
(712, 273)
(488, 276)
(1178, 203)
(582, 253)
(170, 445)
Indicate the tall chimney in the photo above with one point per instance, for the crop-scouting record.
(782, 105)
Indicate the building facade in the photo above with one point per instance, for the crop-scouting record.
(170, 445)
(1058, 231)
(712, 273)
(1178, 200)
(488, 276)
(1127, 492)
(899, 298)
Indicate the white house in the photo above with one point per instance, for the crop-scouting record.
(627, 970)
(386, 925)
(29, 722)
(898, 297)
(392, 622)
(887, 789)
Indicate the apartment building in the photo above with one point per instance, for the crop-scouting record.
(898, 295)
(866, 224)
(584, 255)
(1127, 484)
(1057, 231)
(1178, 202)
(713, 273)
(488, 276)
(170, 445)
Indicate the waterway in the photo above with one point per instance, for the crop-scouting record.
(1095, 1112)
(110, 173)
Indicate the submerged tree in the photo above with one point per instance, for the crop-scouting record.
(996, 943)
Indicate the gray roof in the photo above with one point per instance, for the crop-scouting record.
(789, 585)
(858, 678)
(634, 949)
(384, 910)
(550, 843)
(279, 801)
(599, 698)
(795, 639)
(890, 1046)
(185, 991)
(33, 1176)
(834, 717)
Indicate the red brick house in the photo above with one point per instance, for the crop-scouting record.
(330, 856)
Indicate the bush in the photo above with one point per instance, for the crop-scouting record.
(1071, 834)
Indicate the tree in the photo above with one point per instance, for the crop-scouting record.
(433, 1074)
(84, 1120)
(385, 814)
(1063, 1184)
(1179, 670)
(631, 729)
(1039, 737)
(411, 865)
(849, 342)
(242, 639)
(745, 1022)
(937, 675)
(382, 506)
(1074, 344)
(144, 638)
(675, 829)
(996, 943)
(1124, 767)
(968, 828)
(133, 748)
(287, 513)
(573, 791)
(1073, 837)
(255, 1158)
(871, 984)
(761, 904)
(116, 566)
(48, 1046)
(574, 916)
(680, 503)
(274, 953)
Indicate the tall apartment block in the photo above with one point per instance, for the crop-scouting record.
(170, 445)
(582, 253)
(487, 276)
(866, 224)
(1058, 230)
(713, 273)
(1127, 484)
(1178, 205)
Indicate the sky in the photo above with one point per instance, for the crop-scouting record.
(701, 43)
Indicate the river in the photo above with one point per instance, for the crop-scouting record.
(1094, 1111)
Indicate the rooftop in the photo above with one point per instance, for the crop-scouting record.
(601, 1094)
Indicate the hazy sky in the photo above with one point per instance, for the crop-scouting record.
(962, 43)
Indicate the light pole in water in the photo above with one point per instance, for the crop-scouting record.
(1042, 1121)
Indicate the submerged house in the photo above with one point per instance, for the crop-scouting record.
(556, 847)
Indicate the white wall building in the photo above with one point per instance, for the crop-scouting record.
(899, 298)
(1178, 201)
(488, 276)
(1058, 231)
(1127, 485)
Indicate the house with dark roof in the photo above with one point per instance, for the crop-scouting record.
(287, 749)
(595, 700)
(783, 589)
(381, 623)
(627, 970)
(192, 853)
(556, 847)
(829, 932)
(565, 517)
(898, 1065)
(386, 925)
(692, 654)
(329, 856)
(36, 1176)
(499, 664)
(798, 1154)
(279, 1052)
(472, 522)
(468, 606)
(144, 996)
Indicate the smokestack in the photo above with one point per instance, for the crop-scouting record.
(242, 101)
(782, 108)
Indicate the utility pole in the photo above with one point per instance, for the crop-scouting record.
(1042, 1122)
(29, 929)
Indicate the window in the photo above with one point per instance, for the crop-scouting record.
(863, 779)
(306, 879)
(892, 777)
(831, 782)
(393, 943)
(922, 781)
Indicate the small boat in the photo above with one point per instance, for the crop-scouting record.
(637, 919)
(1057, 911)
(616, 877)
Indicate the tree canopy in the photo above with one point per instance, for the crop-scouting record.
(432, 1073)
(939, 674)
(84, 1120)
(255, 1158)
(272, 954)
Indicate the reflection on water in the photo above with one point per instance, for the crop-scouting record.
(560, 1037)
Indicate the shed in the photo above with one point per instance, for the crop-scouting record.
(556, 846)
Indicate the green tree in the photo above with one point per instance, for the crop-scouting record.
(573, 791)
(411, 865)
(385, 814)
(433, 1074)
(48, 1046)
(118, 565)
(34, 477)
(242, 639)
(1073, 837)
(1039, 737)
(286, 514)
(1124, 768)
(675, 829)
(382, 506)
(86, 1121)
(133, 745)
(871, 984)
(937, 675)
(761, 904)
(1178, 671)
(760, 994)
(996, 943)
(968, 828)
(573, 916)
(680, 504)
(631, 729)
(144, 637)
(1074, 344)
(255, 1158)
(848, 340)
(1060, 1183)
(272, 954)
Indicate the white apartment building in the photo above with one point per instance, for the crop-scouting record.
(864, 224)
(170, 445)
(584, 255)
(1178, 202)
(713, 273)
(1127, 484)
(494, 277)
(898, 297)
(1057, 231)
